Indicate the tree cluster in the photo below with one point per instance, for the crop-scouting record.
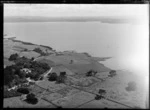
(112, 73)
(13, 57)
(52, 77)
(14, 76)
(38, 50)
(59, 79)
(31, 99)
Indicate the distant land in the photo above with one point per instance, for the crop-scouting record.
(66, 19)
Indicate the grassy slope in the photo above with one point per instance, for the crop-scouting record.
(81, 63)
(12, 46)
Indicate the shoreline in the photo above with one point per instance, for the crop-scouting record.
(74, 51)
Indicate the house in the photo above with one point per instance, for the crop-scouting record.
(12, 88)
(26, 70)
(29, 80)
(23, 97)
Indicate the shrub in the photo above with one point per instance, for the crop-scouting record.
(131, 86)
(23, 90)
(52, 77)
(31, 99)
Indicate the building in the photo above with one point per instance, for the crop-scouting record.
(26, 70)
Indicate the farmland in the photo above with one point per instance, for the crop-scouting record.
(78, 90)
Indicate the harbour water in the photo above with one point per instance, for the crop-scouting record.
(122, 42)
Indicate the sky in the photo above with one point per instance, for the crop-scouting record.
(58, 10)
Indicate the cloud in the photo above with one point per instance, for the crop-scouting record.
(57, 10)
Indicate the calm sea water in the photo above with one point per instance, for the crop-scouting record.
(123, 42)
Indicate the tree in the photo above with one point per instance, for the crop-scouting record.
(13, 57)
(31, 99)
(52, 77)
(23, 90)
